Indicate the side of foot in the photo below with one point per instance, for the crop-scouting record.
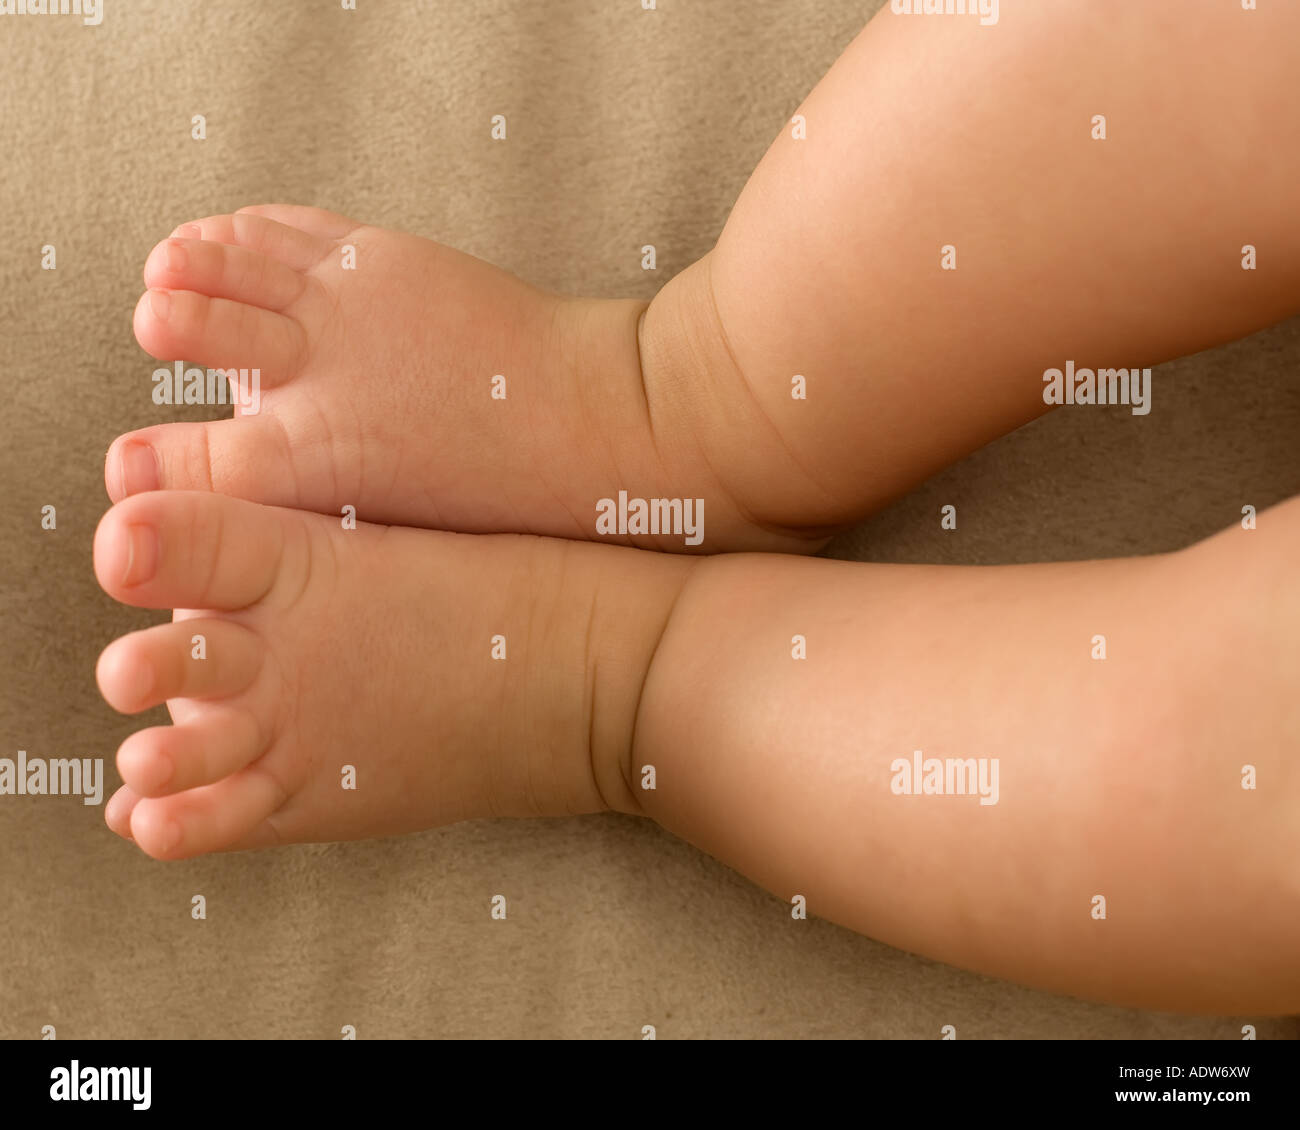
(425, 387)
(332, 683)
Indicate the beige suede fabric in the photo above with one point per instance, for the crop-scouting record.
(626, 127)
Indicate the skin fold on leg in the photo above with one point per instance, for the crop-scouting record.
(938, 132)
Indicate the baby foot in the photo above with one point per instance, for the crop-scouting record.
(340, 683)
(425, 387)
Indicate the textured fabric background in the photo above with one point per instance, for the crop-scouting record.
(626, 127)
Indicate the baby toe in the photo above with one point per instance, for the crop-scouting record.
(199, 658)
(211, 818)
(223, 271)
(219, 333)
(165, 760)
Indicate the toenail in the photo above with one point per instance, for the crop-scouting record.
(160, 302)
(138, 468)
(141, 554)
(177, 259)
(188, 231)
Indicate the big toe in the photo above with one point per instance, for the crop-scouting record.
(186, 549)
